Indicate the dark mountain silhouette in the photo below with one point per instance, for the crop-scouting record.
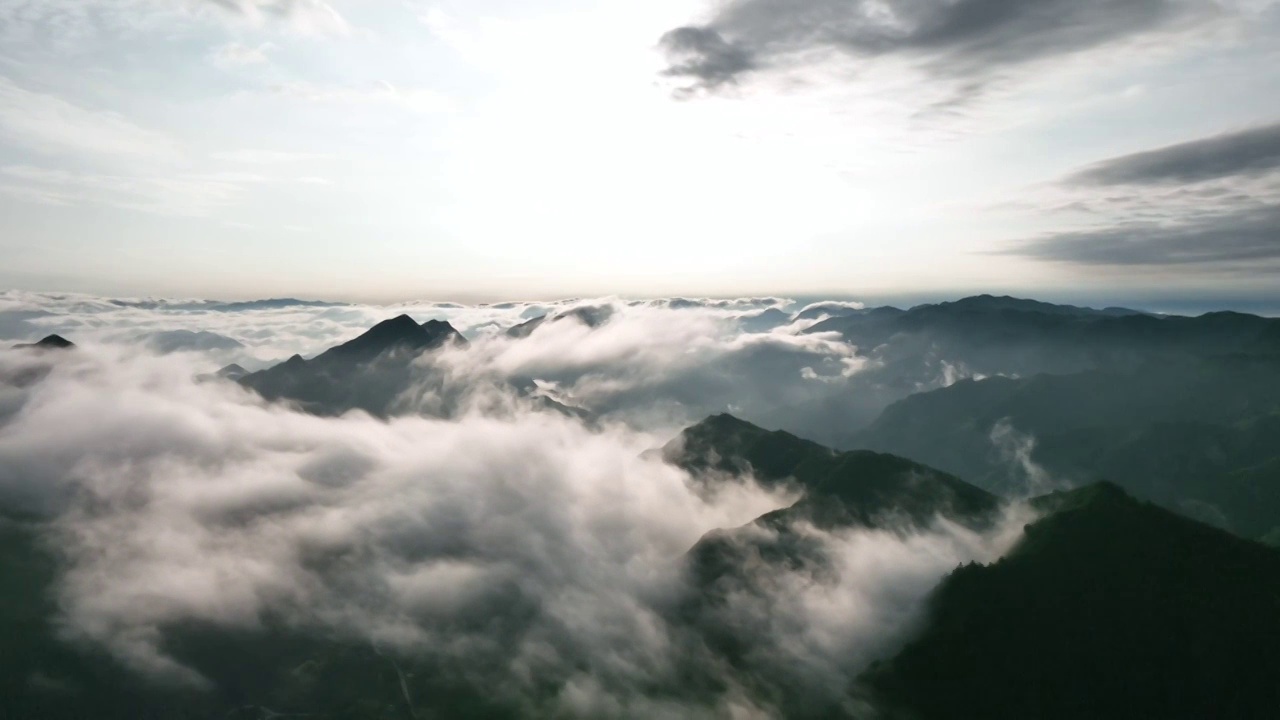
(1108, 608)
(49, 342)
(987, 335)
(401, 333)
(368, 372)
(271, 304)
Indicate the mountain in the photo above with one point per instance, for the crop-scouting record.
(1198, 436)
(815, 311)
(401, 333)
(591, 317)
(838, 489)
(49, 342)
(989, 335)
(270, 304)
(368, 372)
(1108, 608)
(764, 320)
(732, 574)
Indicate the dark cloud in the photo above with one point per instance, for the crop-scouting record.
(1210, 202)
(703, 53)
(1247, 240)
(1248, 152)
(964, 38)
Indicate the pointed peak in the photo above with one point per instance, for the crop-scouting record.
(400, 321)
(295, 361)
(49, 342)
(439, 327)
(233, 371)
(721, 429)
(55, 341)
(400, 332)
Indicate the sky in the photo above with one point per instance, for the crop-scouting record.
(379, 151)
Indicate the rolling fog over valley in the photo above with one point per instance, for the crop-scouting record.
(581, 508)
(664, 360)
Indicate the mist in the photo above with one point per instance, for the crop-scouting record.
(539, 555)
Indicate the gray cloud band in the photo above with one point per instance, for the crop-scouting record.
(1210, 203)
(966, 38)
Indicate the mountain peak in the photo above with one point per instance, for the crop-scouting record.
(232, 372)
(49, 342)
(400, 331)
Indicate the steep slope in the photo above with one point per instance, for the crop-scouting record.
(1109, 608)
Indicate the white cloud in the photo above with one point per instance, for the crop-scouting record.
(189, 195)
(307, 17)
(268, 157)
(236, 55)
(523, 547)
(51, 125)
(416, 100)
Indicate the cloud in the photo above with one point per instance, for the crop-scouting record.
(69, 24)
(235, 55)
(48, 124)
(1253, 151)
(1016, 449)
(307, 17)
(1244, 242)
(1210, 203)
(537, 556)
(651, 364)
(380, 93)
(187, 195)
(268, 157)
(968, 38)
(704, 54)
(806, 621)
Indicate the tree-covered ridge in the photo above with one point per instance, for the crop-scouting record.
(1108, 608)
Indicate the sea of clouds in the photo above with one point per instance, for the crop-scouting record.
(533, 547)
